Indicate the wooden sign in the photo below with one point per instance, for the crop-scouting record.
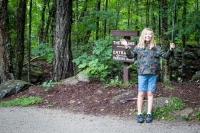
(118, 50)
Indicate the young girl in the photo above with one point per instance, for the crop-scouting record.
(147, 54)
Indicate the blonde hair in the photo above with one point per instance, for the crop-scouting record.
(142, 44)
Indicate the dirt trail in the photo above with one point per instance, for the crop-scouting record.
(40, 120)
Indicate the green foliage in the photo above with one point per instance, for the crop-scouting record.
(198, 116)
(114, 82)
(22, 101)
(180, 80)
(169, 87)
(44, 50)
(133, 72)
(98, 64)
(186, 117)
(114, 17)
(164, 113)
(48, 84)
(190, 30)
(96, 70)
(51, 105)
(168, 84)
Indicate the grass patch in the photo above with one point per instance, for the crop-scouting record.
(48, 85)
(198, 116)
(168, 87)
(51, 105)
(117, 82)
(164, 113)
(22, 101)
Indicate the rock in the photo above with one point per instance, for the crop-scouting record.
(118, 97)
(174, 65)
(69, 81)
(196, 76)
(13, 86)
(182, 114)
(75, 79)
(35, 74)
(186, 112)
(83, 77)
(198, 53)
(99, 91)
(189, 55)
(158, 103)
(190, 47)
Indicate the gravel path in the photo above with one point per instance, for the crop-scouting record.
(37, 120)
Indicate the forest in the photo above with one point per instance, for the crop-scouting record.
(75, 35)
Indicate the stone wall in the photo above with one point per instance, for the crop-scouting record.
(187, 62)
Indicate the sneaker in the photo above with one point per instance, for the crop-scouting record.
(149, 118)
(140, 118)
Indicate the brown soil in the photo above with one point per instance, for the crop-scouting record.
(94, 98)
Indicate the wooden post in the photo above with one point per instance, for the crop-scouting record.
(126, 72)
(126, 35)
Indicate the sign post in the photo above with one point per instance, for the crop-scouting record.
(118, 51)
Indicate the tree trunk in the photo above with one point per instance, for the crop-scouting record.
(154, 20)
(41, 27)
(20, 17)
(159, 22)
(4, 43)
(129, 14)
(84, 39)
(105, 21)
(137, 13)
(62, 64)
(165, 44)
(29, 42)
(50, 25)
(97, 21)
(118, 8)
(183, 36)
(196, 25)
(147, 13)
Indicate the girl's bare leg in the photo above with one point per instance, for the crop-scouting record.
(150, 101)
(140, 102)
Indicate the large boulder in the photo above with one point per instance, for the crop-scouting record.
(75, 79)
(196, 76)
(35, 74)
(189, 55)
(13, 86)
(159, 102)
(198, 53)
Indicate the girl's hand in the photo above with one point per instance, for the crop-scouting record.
(172, 45)
(124, 43)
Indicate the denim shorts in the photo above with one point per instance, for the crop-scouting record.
(147, 82)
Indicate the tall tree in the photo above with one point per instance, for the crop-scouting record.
(19, 26)
(165, 42)
(197, 38)
(97, 21)
(83, 39)
(4, 42)
(129, 14)
(62, 64)
(136, 12)
(41, 36)
(29, 42)
(105, 21)
(147, 12)
(45, 23)
(183, 36)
